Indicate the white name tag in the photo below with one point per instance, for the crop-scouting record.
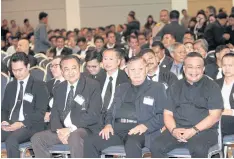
(79, 99)
(148, 101)
(28, 97)
(51, 102)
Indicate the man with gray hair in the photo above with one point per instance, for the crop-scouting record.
(201, 46)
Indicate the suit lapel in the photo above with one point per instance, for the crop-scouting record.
(80, 86)
(146, 86)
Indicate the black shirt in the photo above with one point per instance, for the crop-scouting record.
(128, 109)
(230, 31)
(190, 104)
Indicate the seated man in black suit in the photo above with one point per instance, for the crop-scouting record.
(23, 46)
(156, 73)
(75, 112)
(110, 78)
(159, 50)
(227, 89)
(93, 64)
(23, 107)
(60, 48)
(99, 44)
(82, 43)
(192, 113)
(111, 41)
(58, 78)
(135, 117)
(134, 47)
(214, 70)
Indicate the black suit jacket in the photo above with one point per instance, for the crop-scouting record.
(212, 70)
(86, 116)
(65, 51)
(149, 115)
(121, 78)
(34, 112)
(166, 63)
(231, 98)
(167, 78)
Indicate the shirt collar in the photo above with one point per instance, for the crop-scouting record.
(179, 65)
(196, 84)
(114, 75)
(75, 84)
(59, 49)
(24, 80)
(162, 59)
(156, 72)
(110, 46)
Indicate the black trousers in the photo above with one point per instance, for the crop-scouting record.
(227, 125)
(13, 139)
(93, 145)
(198, 145)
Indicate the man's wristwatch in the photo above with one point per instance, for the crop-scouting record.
(196, 129)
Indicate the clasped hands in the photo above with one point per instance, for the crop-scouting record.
(15, 126)
(107, 130)
(63, 135)
(182, 134)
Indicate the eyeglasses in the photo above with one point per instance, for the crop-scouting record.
(54, 66)
(91, 66)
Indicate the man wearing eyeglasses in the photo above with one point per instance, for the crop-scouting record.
(58, 78)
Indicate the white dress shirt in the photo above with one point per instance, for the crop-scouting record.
(58, 51)
(110, 46)
(130, 53)
(226, 92)
(156, 77)
(114, 76)
(160, 62)
(67, 121)
(21, 112)
(219, 75)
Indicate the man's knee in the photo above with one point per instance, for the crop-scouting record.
(36, 138)
(199, 151)
(133, 142)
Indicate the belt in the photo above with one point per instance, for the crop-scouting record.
(122, 120)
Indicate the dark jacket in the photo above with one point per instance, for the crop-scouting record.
(212, 70)
(231, 98)
(214, 35)
(167, 61)
(132, 26)
(167, 78)
(81, 117)
(34, 112)
(173, 28)
(149, 115)
(65, 51)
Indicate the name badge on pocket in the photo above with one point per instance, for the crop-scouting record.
(28, 97)
(148, 101)
(79, 99)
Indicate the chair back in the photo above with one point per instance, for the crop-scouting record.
(49, 74)
(38, 73)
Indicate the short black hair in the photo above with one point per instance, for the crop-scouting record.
(141, 33)
(98, 38)
(109, 32)
(191, 33)
(159, 44)
(50, 31)
(26, 20)
(42, 15)
(220, 48)
(81, 39)
(212, 9)
(60, 37)
(135, 58)
(52, 37)
(228, 55)
(19, 56)
(69, 32)
(183, 10)
(101, 28)
(174, 14)
(222, 15)
(145, 51)
(69, 57)
(93, 55)
(132, 37)
(194, 54)
(117, 52)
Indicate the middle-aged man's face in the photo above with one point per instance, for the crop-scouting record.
(53, 42)
(55, 68)
(99, 44)
(198, 48)
(82, 45)
(160, 53)
(222, 53)
(111, 38)
(193, 69)
(15, 42)
(142, 40)
(231, 21)
(23, 46)
(228, 66)
(164, 17)
(179, 54)
(137, 71)
(188, 38)
(60, 43)
(110, 60)
(168, 40)
(133, 43)
(189, 47)
(93, 67)
(151, 61)
(20, 70)
(70, 70)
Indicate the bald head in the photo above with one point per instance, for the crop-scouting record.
(23, 46)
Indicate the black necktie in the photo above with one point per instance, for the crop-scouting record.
(151, 77)
(68, 102)
(108, 94)
(56, 83)
(15, 113)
